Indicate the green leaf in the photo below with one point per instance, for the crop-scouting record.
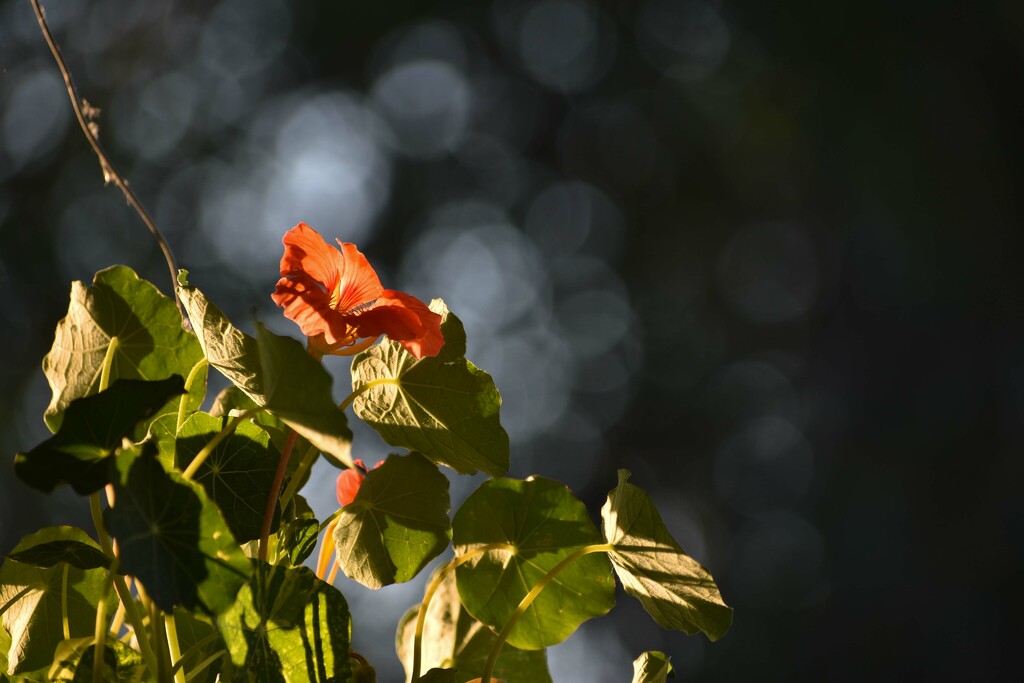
(297, 538)
(275, 372)
(172, 536)
(235, 354)
(30, 600)
(396, 524)
(442, 406)
(52, 545)
(298, 390)
(199, 640)
(537, 524)
(162, 433)
(73, 662)
(439, 676)
(238, 473)
(150, 342)
(92, 428)
(673, 587)
(453, 638)
(652, 667)
(288, 625)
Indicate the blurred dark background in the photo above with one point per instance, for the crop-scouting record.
(764, 255)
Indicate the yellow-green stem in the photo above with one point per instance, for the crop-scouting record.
(108, 363)
(308, 458)
(137, 624)
(363, 388)
(100, 637)
(525, 603)
(64, 601)
(175, 650)
(202, 455)
(275, 491)
(183, 403)
(432, 586)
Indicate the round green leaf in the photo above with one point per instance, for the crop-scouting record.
(396, 524)
(237, 474)
(442, 406)
(55, 544)
(288, 625)
(453, 638)
(172, 536)
(537, 523)
(150, 342)
(673, 587)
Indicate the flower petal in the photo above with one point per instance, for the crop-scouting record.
(306, 304)
(358, 283)
(306, 253)
(349, 482)
(404, 319)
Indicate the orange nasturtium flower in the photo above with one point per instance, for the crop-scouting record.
(336, 299)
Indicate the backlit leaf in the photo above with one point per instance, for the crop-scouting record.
(73, 662)
(30, 599)
(442, 406)
(652, 667)
(52, 545)
(673, 587)
(537, 523)
(453, 638)
(288, 625)
(298, 390)
(275, 372)
(151, 343)
(172, 536)
(237, 474)
(396, 524)
(92, 429)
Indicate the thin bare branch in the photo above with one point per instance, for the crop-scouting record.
(84, 113)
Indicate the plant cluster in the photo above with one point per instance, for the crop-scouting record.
(196, 571)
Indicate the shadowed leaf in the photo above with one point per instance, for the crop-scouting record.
(237, 474)
(172, 536)
(92, 429)
(73, 662)
(52, 545)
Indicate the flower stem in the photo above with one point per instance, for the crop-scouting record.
(175, 649)
(108, 363)
(525, 603)
(435, 582)
(64, 602)
(308, 458)
(110, 173)
(202, 455)
(275, 491)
